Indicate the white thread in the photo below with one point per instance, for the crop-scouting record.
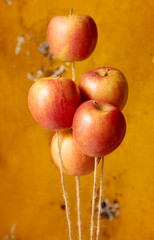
(64, 189)
(100, 200)
(93, 199)
(73, 71)
(77, 179)
(78, 206)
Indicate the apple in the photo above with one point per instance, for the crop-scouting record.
(74, 162)
(53, 101)
(98, 128)
(72, 37)
(105, 84)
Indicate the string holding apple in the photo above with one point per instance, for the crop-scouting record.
(87, 117)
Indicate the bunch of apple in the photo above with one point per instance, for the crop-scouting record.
(87, 116)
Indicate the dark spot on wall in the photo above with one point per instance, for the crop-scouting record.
(108, 210)
(63, 207)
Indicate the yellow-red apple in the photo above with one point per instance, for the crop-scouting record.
(105, 84)
(73, 37)
(98, 128)
(52, 102)
(74, 162)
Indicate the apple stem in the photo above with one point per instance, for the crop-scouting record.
(106, 72)
(59, 76)
(93, 199)
(71, 11)
(100, 200)
(64, 188)
(96, 104)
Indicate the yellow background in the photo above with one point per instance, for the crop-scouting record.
(30, 189)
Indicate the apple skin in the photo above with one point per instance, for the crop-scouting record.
(105, 84)
(98, 128)
(52, 102)
(73, 37)
(74, 162)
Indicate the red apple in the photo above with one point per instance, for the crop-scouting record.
(74, 162)
(52, 102)
(98, 128)
(105, 84)
(73, 37)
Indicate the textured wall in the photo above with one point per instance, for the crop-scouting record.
(30, 190)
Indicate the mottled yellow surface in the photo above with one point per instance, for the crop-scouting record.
(30, 189)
